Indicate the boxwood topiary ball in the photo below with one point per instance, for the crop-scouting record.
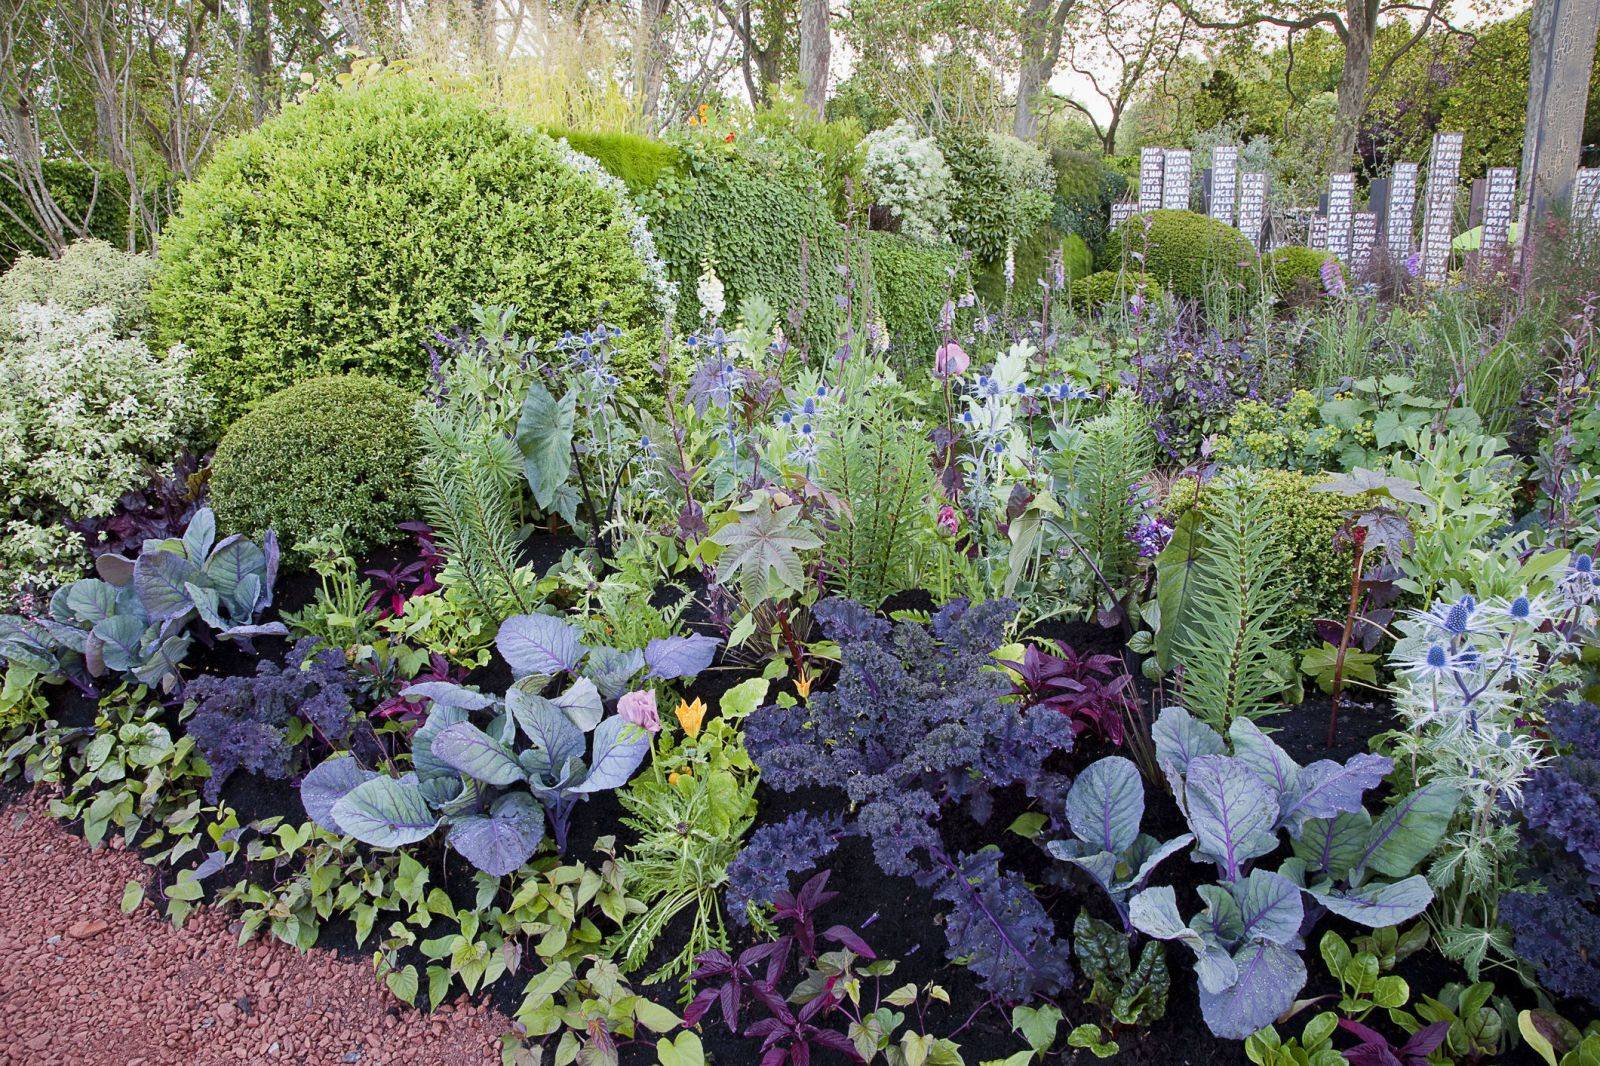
(327, 453)
(1184, 251)
(341, 234)
(1296, 272)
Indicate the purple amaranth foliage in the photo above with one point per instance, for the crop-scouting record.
(241, 723)
(774, 853)
(1557, 930)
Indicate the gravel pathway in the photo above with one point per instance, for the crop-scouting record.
(82, 983)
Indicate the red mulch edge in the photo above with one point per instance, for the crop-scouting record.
(83, 983)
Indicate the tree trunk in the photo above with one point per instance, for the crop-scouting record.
(258, 61)
(1361, 17)
(1561, 45)
(649, 66)
(1042, 24)
(815, 46)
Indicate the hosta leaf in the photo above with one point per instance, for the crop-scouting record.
(502, 841)
(469, 750)
(539, 644)
(674, 657)
(385, 813)
(619, 748)
(1106, 804)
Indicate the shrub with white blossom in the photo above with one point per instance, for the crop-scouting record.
(907, 174)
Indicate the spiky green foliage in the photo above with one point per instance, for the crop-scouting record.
(467, 480)
(1230, 646)
(1114, 452)
(877, 465)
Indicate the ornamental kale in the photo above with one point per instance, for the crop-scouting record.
(1247, 936)
(920, 722)
(1091, 690)
(242, 723)
(1557, 930)
(488, 781)
(773, 853)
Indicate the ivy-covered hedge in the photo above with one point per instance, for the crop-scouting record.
(763, 223)
(329, 453)
(1183, 250)
(73, 185)
(341, 234)
(911, 281)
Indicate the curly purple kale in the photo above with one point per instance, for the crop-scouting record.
(774, 853)
(241, 723)
(1557, 930)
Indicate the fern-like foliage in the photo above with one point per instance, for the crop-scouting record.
(878, 468)
(1114, 453)
(1230, 645)
(467, 481)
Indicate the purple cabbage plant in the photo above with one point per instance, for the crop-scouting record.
(1555, 922)
(1247, 938)
(492, 769)
(918, 725)
(135, 619)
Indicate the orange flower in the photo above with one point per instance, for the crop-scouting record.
(691, 715)
(729, 138)
(802, 685)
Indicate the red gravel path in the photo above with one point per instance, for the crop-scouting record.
(82, 983)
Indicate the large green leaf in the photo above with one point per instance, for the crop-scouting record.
(544, 437)
(762, 550)
(1409, 830)
(385, 813)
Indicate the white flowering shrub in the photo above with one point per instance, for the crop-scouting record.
(84, 415)
(907, 174)
(90, 273)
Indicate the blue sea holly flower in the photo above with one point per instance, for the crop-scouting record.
(1520, 609)
(1583, 564)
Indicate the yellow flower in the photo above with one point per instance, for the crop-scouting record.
(690, 715)
(802, 685)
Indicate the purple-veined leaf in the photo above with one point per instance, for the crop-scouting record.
(328, 783)
(581, 704)
(1180, 739)
(556, 741)
(1106, 804)
(423, 759)
(1269, 977)
(611, 670)
(115, 569)
(1327, 789)
(502, 841)
(1269, 907)
(674, 657)
(1332, 846)
(1230, 811)
(89, 601)
(1376, 905)
(159, 578)
(200, 536)
(1268, 761)
(619, 748)
(1408, 831)
(470, 751)
(121, 642)
(385, 813)
(539, 644)
(447, 694)
(1155, 857)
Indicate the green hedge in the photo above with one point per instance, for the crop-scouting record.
(73, 186)
(1031, 262)
(911, 281)
(333, 452)
(341, 234)
(767, 229)
(1085, 190)
(1183, 250)
(1000, 190)
(639, 162)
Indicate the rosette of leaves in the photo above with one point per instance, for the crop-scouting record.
(492, 769)
(1247, 936)
(134, 619)
(1105, 807)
